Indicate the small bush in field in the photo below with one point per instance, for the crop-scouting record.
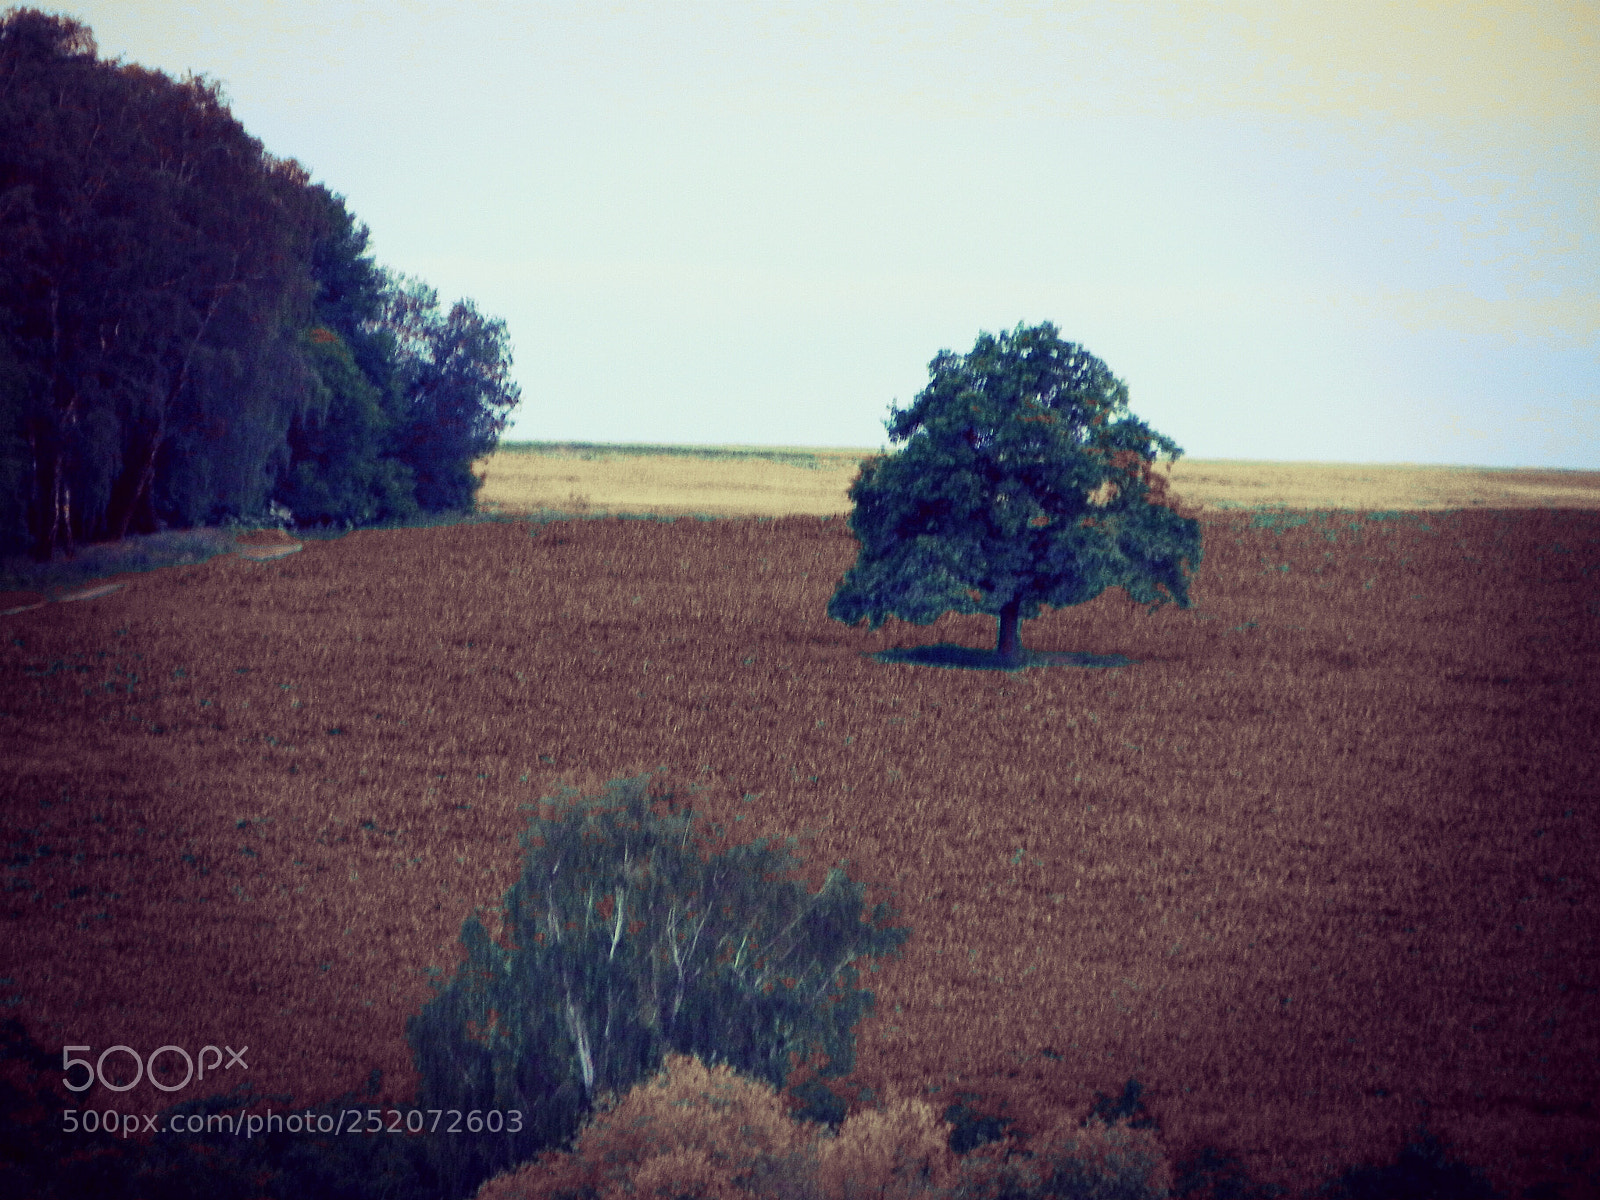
(901, 1150)
(1094, 1161)
(626, 944)
(707, 1132)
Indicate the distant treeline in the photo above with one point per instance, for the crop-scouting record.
(191, 331)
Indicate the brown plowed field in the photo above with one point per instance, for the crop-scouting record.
(1319, 866)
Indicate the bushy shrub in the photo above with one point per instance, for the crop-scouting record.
(900, 1150)
(707, 1132)
(692, 1129)
(624, 943)
(1092, 1161)
(970, 1128)
(338, 473)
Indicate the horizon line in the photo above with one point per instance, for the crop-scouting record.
(735, 447)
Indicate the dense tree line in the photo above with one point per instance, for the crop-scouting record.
(190, 330)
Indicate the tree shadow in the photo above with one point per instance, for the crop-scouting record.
(947, 654)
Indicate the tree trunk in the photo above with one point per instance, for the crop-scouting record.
(36, 490)
(138, 480)
(1008, 647)
(140, 492)
(65, 510)
(57, 495)
(53, 510)
(44, 515)
(60, 511)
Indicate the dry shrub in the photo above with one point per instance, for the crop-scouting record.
(684, 1172)
(692, 1130)
(707, 1132)
(900, 1151)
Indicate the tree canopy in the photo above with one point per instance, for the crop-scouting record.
(454, 372)
(1023, 482)
(191, 330)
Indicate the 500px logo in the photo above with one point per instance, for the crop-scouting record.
(97, 1069)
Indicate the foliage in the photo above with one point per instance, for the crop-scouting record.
(1114, 1152)
(624, 944)
(351, 287)
(694, 1131)
(707, 1131)
(1015, 488)
(1092, 1161)
(338, 472)
(15, 461)
(454, 373)
(154, 256)
(159, 273)
(1127, 1107)
(970, 1128)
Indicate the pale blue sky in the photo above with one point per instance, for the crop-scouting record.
(1339, 232)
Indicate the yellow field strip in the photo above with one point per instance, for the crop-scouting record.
(523, 481)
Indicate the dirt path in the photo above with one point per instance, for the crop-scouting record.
(522, 482)
(103, 569)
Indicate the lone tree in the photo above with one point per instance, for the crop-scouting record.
(1015, 488)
